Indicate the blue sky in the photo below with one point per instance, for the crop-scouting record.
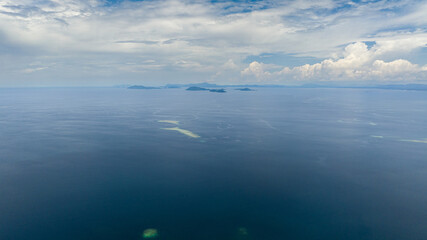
(102, 43)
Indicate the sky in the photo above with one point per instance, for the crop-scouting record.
(151, 42)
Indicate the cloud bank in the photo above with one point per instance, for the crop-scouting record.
(98, 42)
(358, 63)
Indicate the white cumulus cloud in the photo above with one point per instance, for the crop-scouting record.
(358, 62)
(256, 69)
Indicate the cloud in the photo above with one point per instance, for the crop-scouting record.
(358, 63)
(191, 40)
(256, 69)
(230, 65)
(395, 68)
(31, 70)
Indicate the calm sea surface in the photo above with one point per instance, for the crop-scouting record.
(272, 164)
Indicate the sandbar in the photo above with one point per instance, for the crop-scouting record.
(169, 121)
(414, 140)
(183, 131)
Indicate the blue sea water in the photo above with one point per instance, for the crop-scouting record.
(271, 164)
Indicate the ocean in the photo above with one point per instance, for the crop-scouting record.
(270, 164)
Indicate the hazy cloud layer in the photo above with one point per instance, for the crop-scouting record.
(73, 42)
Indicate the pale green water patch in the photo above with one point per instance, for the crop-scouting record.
(169, 121)
(414, 140)
(183, 131)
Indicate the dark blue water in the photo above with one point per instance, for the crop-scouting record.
(280, 163)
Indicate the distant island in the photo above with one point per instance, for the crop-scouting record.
(244, 89)
(142, 87)
(194, 88)
(205, 86)
(197, 89)
(222, 90)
